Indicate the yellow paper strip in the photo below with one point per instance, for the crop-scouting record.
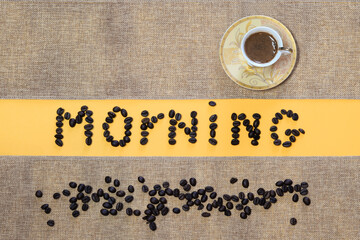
(27, 127)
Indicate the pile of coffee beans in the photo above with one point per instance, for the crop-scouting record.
(110, 119)
(84, 112)
(291, 133)
(253, 130)
(148, 123)
(115, 198)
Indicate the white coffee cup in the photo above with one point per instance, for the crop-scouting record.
(280, 51)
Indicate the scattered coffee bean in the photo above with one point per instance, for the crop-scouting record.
(286, 144)
(293, 221)
(50, 223)
(233, 180)
(56, 195)
(38, 194)
(212, 103)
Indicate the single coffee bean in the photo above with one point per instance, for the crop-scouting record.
(67, 115)
(171, 113)
(173, 122)
(51, 223)
(178, 117)
(289, 113)
(194, 128)
(194, 121)
(88, 133)
(172, 135)
(245, 183)
(72, 122)
(143, 141)
(304, 192)
(176, 210)
(287, 144)
(113, 212)
(85, 207)
(144, 133)
(229, 205)
(277, 142)
(88, 141)
(181, 125)
(235, 141)
(60, 111)
(261, 191)
(235, 129)
(247, 210)
(124, 113)
(213, 118)
(129, 199)
(73, 206)
(59, 118)
(145, 113)
(254, 142)
(233, 116)
(279, 192)
(242, 116)
(81, 187)
(212, 103)
(209, 189)
(295, 198)
(213, 126)
(152, 226)
(295, 117)
(89, 119)
(279, 183)
(78, 119)
(302, 130)
(267, 205)
(193, 182)
(95, 197)
(119, 206)
(236, 123)
(48, 210)
(212, 133)
(275, 120)
(292, 139)
(193, 134)
(233, 180)
(295, 132)
(44, 206)
(192, 140)
(212, 141)
(154, 119)
(244, 201)
(66, 192)
(293, 221)
(72, 184)
(246, 122)
(56, 195)
(131, 188)
(38, 194)
(273, 128)
(278, 116)
(243, 215)
(256, 123)
(104, 212)
(59, 142)
(274, 136)
(107, 205)
(206, 214)
(288, 182)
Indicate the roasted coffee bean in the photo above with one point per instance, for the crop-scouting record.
(273, 129)
(261, 191)
(292, 139)
(51, 223)
(187, 187)
(59, 118)
(254, 142)
(126, 139)
(113, 212)
(172, 128)
(48, 210)
(122, 143)
(143, 141)
(212, 103)
(38, 194)
(176, 210)
(72, 122)
(295, 117)
(283, 112)
(88, 141)
(256, 201)
(246, 122)
(95, 197)
(58, 131)
(204, 198)
(209, 207)
(60, 111)
(256, 123)
(302, 130)
(106, 133)
(247, 210)
(178, 117)
(115, 143)
(145, 113)
(267, 195)
(235, 129)
(235, 141)
(85, 207)
(279, 183)
(243, 215)
(233, 116)
(194, 128)
(289, 113)
(267, 205)
(304, 185)
(194, 121)
(173, 122)
(239, 207)
(59, 142)
(131, 188)
(171, 113)
(213, 118)
(279, 192)
(152, 192)
(56, 195)
(129, 199)
(245, 183)
(213, 126)
(108, 179)
(226, 197)
(116, 109)
(129, 211)
(104, 212)
(297, 188)
(250, 196)
(244, 201)
(193, 134)
(235, 135)
(181, 125)
(212, 141)
(278, 116)
(73, 206)
(273, 200)
(275, 120)
(287, 144)
(172, 135)
(157, 187)
(111, 115)
(124, 113)
(145, 120)
(78, 119)
(274, 136)
(80, 195)
(293, 221)
(295, 132)
(112, 189)
(190, 203)
(66, 192)
(144, 133)
(295, 197)
(105, 126)
(107, 205)
(89, 119)
(119, 206)
(145, 188)
(233, 180)
(185, 207)
(152, 226)
(277, 142)
(212, 134)
(192, 181)
(287, 132)
(192, 140)
(67, 116)
(44, 206)
(229, 205)
(242, 116)
(88, 133)
(256, 116)
(209, 189)
(81, 187)
(304, 192)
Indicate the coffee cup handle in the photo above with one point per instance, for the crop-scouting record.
(285, 50)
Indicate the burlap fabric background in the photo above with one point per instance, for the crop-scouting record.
(143, 49)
